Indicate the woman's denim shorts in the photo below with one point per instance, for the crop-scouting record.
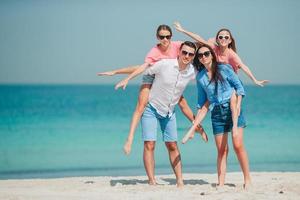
(222, 121)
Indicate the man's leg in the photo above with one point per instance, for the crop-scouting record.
(149, 161)
(149, 129)
(169, 129)
(175, 160)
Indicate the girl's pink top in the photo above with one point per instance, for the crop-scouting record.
(155, 54)
(229, 57)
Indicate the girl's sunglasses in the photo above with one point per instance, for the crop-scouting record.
(225, 37)
(161, 37)
(206, 54)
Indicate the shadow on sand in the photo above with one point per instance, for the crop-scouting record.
(214, 185)
(167, 181)
(172, 181)
(127, 182)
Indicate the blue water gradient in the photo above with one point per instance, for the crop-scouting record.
(79, 130)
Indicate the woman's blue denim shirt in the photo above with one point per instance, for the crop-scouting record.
(206, 90)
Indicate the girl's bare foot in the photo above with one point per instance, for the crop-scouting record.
(127, 147)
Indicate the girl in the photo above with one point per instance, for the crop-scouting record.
(225, 50)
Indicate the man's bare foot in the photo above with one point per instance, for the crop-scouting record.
(152, 182)
(127, 147)
(180, 184)
(202, 132)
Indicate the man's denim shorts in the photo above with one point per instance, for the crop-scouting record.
(150, 120)
(221, 119)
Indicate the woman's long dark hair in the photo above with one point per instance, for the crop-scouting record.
(215, 73)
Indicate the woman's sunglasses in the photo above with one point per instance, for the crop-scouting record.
(161, 37)
(225, 37)
(206, 54)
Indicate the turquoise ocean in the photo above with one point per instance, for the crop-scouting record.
(79, 130)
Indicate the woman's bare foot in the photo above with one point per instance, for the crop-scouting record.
(247, 186)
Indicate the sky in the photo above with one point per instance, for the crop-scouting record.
(69, 41)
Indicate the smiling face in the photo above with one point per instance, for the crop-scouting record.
(224, 38)
(164, 37)
(186, 54)
(205, 56)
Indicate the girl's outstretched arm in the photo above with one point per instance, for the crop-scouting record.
(247, 71)
(125, 81)
(125, 70)
(196, 37)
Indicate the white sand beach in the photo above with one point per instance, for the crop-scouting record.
(266, 185)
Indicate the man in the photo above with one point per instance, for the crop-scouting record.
(171, 78)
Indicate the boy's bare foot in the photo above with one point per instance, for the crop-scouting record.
(127, 147)
(202, 132)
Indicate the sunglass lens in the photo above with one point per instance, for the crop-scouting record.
(225, 37)
(206, 54)
(161, 37)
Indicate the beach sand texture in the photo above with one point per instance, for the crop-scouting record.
(266, 185)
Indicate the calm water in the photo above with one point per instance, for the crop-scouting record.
(54, 131)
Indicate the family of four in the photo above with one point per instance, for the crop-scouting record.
(168, 68)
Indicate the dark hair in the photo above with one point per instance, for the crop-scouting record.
(163, 27)
(232, 44)
(188, 43)
(215, 73)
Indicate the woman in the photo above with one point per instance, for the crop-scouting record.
(225, 50)
(164, 49)
(215, 84)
